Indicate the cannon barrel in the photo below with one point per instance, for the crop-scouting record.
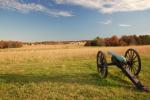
(117, 57)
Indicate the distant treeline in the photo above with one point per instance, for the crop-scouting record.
(54, 42)
(122, 41)
(10, 44)
(51, 42)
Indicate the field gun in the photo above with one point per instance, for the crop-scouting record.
(130, 64)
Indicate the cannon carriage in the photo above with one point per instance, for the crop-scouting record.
(130, 64)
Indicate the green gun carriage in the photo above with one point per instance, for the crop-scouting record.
(130, 64)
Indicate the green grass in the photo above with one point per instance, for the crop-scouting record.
(68, 78)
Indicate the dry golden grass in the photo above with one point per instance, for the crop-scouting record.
(66, 72)
(86, 50)
(45, 53)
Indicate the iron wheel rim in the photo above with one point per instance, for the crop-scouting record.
(133, 61)
(102, 64)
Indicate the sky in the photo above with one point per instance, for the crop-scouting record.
(54, 20)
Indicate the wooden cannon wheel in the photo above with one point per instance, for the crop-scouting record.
(133, 61)
(102, 64)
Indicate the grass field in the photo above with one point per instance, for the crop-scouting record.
(66, 72)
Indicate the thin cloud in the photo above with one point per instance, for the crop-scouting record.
(109, 6)
(107, 22)
(124, 25)
(25, 8)
(85, 3)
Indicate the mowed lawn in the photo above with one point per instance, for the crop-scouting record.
(64, 72)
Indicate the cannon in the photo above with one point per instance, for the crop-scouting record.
(130, 64)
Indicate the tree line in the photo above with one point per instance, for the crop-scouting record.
(10, 44)
(111, 41)
(125, 40)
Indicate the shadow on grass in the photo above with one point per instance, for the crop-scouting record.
(79, 78)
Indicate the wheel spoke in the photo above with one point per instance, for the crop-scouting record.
(130, 54)
(134, 55)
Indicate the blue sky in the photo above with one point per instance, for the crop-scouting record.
(40, 20)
